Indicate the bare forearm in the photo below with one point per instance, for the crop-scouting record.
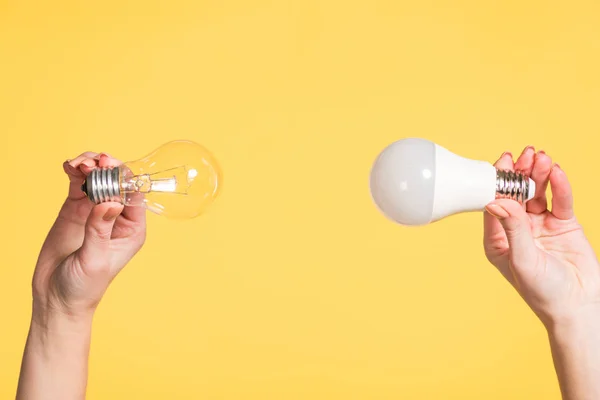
(576, 353)
(55, 360)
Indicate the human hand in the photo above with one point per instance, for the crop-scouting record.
(87, 246)
(543, 253)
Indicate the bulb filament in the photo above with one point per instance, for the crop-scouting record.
(146, 183)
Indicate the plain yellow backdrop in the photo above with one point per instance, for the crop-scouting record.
(293, 286)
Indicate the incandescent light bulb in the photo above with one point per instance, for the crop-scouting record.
(178, 180)
(416, 182)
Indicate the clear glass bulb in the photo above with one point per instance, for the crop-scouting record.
(179, 180)
(415, 182)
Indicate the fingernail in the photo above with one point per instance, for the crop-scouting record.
(111, 214)
(506, 153)
(528, 148)
(541, 152)
(557, 167)
(496, 210)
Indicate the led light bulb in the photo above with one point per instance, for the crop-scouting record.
(179, 180)
(416, 182)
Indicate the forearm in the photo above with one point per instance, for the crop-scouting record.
(576, 353)
(55, 360)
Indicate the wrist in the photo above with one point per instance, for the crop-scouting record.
(57, 342)
(575, 345)
(53, 325)
(582, 325)
(49, 310)
(55, 360)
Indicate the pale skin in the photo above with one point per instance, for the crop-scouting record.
(540, 249)
(86, 248)
(545, 255)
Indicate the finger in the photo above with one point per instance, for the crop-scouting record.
(505, 162)
(562, 194)
(88, 165)
(104, 161)
(83, 156)
(74, 173)
(525, 161)
(77, 170)
(97, 157)
(136, 212)
(540, 174)
(95, 249)
(73, 167)
(494, 238)
(523, 252)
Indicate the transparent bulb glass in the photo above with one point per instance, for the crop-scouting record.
(179, 180)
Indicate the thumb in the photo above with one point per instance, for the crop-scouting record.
(517, 226)
(98, 231)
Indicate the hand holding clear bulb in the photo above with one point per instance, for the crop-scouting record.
(91, 241)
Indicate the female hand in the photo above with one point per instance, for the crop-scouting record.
(545, 255)
(87, 246)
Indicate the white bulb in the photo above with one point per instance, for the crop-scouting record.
(415, 182)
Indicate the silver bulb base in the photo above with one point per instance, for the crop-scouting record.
(103, 185)
(512, 185)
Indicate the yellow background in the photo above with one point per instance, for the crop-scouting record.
(293, 286)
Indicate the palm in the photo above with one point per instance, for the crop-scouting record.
(558, 251)
(553, 237)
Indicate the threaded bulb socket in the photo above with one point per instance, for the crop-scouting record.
(512, 185)
(103, 185)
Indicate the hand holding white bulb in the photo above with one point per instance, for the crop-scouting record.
(541, 250)
(416, 182)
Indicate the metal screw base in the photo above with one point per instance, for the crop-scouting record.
(512, 185)
(102, 185)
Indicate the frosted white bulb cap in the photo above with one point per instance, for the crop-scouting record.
(415, 182)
